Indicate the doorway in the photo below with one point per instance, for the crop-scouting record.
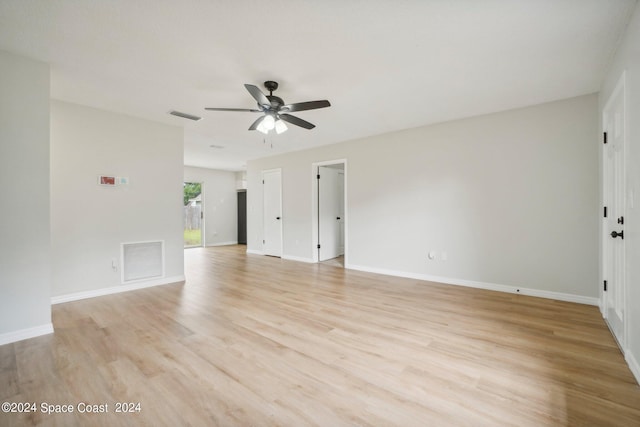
(242, 217)
(330, 219)
(272, 219)
(193, 214)
(613, 244)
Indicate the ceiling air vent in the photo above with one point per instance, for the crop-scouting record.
(185, 115)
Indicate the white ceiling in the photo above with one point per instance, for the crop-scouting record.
(384, 65)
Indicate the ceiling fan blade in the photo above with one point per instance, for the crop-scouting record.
(258, 96)
(302, 106)
(255, 124)
(296, 121)
(233, 109)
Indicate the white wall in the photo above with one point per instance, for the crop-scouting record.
(241, 180)
(628, 58)
(220, 204)
(25, 253)
(511, 197)
(89, 222)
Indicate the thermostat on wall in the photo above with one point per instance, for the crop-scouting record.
(112, 181)
(107, 180)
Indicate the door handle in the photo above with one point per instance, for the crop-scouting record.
(615, 234)
(338, 218)
(277, 217)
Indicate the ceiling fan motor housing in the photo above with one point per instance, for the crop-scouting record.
(276, 101)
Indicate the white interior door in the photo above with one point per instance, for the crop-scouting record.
(614, 197)
(329, 214)
(272, 193)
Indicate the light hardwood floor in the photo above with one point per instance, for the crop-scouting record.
(251, 340)
(335, 262)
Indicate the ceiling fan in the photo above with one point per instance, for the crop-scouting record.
(276, 112)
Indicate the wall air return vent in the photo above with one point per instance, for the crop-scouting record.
(142, 261)
(185, 115)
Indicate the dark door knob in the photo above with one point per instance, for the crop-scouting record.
(338, 218)
(615, 234)
(277, 217)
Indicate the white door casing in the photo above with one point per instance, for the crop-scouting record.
(272, 222)
(613, 263)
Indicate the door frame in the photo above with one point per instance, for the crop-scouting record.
(620, 89)
(202, 214)
(266, 171)
(314, 209)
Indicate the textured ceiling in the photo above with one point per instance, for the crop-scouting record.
(384, 65)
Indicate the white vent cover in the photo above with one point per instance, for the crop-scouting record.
(142, 260)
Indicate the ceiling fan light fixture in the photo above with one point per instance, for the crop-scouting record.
(269, 122)
(280, 126)
(261, 128)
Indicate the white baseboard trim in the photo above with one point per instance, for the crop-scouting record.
(480, 285)
(115, 289)
(24, 334)
(222, 244)
(298, 258)
(633, 365)
(254, 252)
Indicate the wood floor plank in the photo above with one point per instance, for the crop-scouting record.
(261, 341)
(8, 371)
